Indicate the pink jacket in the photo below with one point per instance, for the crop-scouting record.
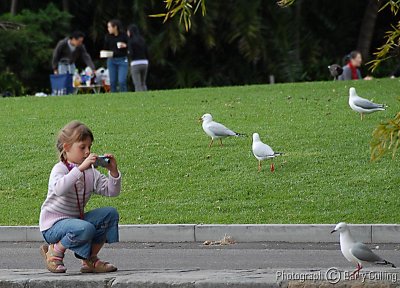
(61, 201)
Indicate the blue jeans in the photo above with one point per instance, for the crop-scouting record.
(99, 226)
(118, 71)
(66, 68)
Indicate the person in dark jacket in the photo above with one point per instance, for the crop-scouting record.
(117, 42)
(139, 58)
(68, 51)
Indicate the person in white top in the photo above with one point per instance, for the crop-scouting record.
(138, 54)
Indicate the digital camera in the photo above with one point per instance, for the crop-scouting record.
(101, 161)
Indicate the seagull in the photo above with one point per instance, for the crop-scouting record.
(361, 105)
(357, 252)
(262, 151)
(216, 130)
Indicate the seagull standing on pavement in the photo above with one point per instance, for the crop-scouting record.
(361, 105)
(262, 151)
(216, 130)
(357, 252)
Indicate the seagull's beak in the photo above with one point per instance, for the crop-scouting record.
(200, 120)
(333, 231)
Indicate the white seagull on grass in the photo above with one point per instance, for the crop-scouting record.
(361, 105)
(216, 130)
(262, 151)
(357, 252)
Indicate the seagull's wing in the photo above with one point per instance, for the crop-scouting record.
(363, 253)
(365, 104)
(220, 130)
(263, 150)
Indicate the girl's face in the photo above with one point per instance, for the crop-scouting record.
(78, 151)
(112, 29)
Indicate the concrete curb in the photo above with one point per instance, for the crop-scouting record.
(191, 278)
(292, 233)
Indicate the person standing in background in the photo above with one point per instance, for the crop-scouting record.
(137, 49)
(116, 41)
(68, 51)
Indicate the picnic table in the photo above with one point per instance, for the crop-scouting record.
(96, 89)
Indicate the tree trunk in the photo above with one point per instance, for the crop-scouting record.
(14, 4)
(297, 36)
(65, 4)
(367, 28)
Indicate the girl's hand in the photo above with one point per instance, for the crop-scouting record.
(112, 167)
(89, 161)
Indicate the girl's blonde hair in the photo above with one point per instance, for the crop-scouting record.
(74, 131)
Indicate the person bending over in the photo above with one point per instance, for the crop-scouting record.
(68, 51)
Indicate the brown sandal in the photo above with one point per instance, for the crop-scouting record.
(53, 259)
(95, 265)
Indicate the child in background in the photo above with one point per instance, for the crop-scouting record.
(63, 222)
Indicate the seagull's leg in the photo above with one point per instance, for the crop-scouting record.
(362, 116)
(220, 142)
(359, 268)
(272, 168)
(212, 141)
(259, 166)
(356, 273)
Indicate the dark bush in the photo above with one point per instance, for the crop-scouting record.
(10, 85)
(27, 50)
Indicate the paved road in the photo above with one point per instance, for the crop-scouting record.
(132, 256)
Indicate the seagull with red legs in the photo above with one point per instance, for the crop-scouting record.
(262, 151)
(216, 130)
(357, 252)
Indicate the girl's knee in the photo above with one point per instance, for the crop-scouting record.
(112, 213)
(86, 232)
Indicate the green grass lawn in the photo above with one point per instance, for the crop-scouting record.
(171, 176)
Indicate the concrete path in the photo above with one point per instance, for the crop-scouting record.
(191, 265)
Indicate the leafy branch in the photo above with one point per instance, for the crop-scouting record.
(392, 37)
(186, 8)
(285, 3)
(4, 25)
(385, 138)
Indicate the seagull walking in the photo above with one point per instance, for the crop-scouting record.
(216, 130)
(361, 105)
(357, 252)
(262, 151)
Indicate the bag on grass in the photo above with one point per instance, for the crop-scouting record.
(61, 84)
